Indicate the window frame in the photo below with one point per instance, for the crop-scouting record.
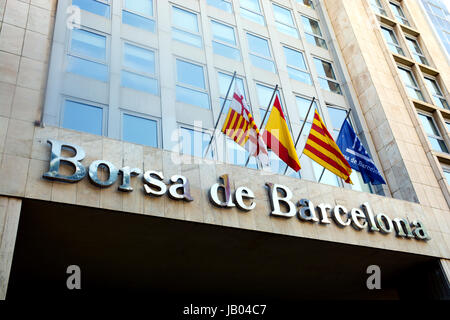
(129, 112)
(105, 109)
(433, 96)
(77, 55)
(295, 67)
(245, 93)
(312, 34)
(203, 131)
(153, 18)
(310, 6)
(293, 26)
(397, 44)
(417, 88)
(199, 26)
(261, 13)
(414, 53)
(326, 78)
(402, 19)
(227, 44)
(154, 76)
(107, 2)
(378, 5)
(227, 1)
(440, 137)
(189, 86)
(250, 52)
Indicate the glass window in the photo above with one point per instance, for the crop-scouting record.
(83, 117)
(296, 66)
(447, 175)
(221, 4)
(140, 130)
(284, 21)
(307, 3)
(224, 84)
(96, 7)
(313, 33)
(378, 7)
(139, 69)
(416, 51)
(392, 41)
(224, 41)
(195, 142)
(87, 56)
(303, 105)
(398, 13)
(251, 10)
(435, 138)
(327, 78)
(265, 93)
(139, 14)
(411, 84)
(185, 27)
(260, 53)
(191, 84)
(238, 155)
(436, 93)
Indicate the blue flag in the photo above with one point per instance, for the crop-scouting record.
(357, 156)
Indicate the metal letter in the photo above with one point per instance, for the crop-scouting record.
(336, 215)
(151, 181)
(127, 173)
(381, 219)
(402, 225)
(374, 281)
(214, 193)
(357, 214)
(275, 200)
(307, 206)
(184, 185)
(420, 231)
(56, 159)
(369, 216)
(244, 192)
(93, 173)
(323, 211)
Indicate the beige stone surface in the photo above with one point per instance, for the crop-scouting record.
(9, 222)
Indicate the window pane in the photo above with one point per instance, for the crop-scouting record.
(194, 142)
(144, 7)
(87, 68)
(96, 7)
(184, 19)
(447, 176)
(324, 69)
(224, 84)
(139, 59)
(138, 21)
(259, 45)
(191, 74)
(226, 51)
(307, 3)
(140, 130)
(291, 31)
(139, 82)
(83, 117)
(316, 41)
(408, 78)
(251, 5)
(330, 86)
(193, 97)
(299, 75)
(252, 16)
(283, 15)
(295, 58)
(337, 117)
(428, 125)
(223, 32)
(262, 63)
(88, 44)
(303, 106)
(186, 37)
(311, 26)
(438, 145)
(433, 87)
(221, 4)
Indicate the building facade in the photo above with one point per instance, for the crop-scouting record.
(439, 18)
(141, 84)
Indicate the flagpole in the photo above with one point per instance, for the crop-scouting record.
(346, 117)
(301, 130)
(264, 118)
(220, 115)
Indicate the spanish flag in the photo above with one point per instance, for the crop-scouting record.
(321, 148)
(278, 138)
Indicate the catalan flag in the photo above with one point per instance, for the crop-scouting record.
(321, 148)
(278, 138)
(241, 127)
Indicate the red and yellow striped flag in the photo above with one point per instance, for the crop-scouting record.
(321, 148)
(278, 138)
(241, 127)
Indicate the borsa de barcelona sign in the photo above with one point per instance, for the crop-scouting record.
(220, 194)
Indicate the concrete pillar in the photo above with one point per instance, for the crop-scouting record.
(9, 222)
